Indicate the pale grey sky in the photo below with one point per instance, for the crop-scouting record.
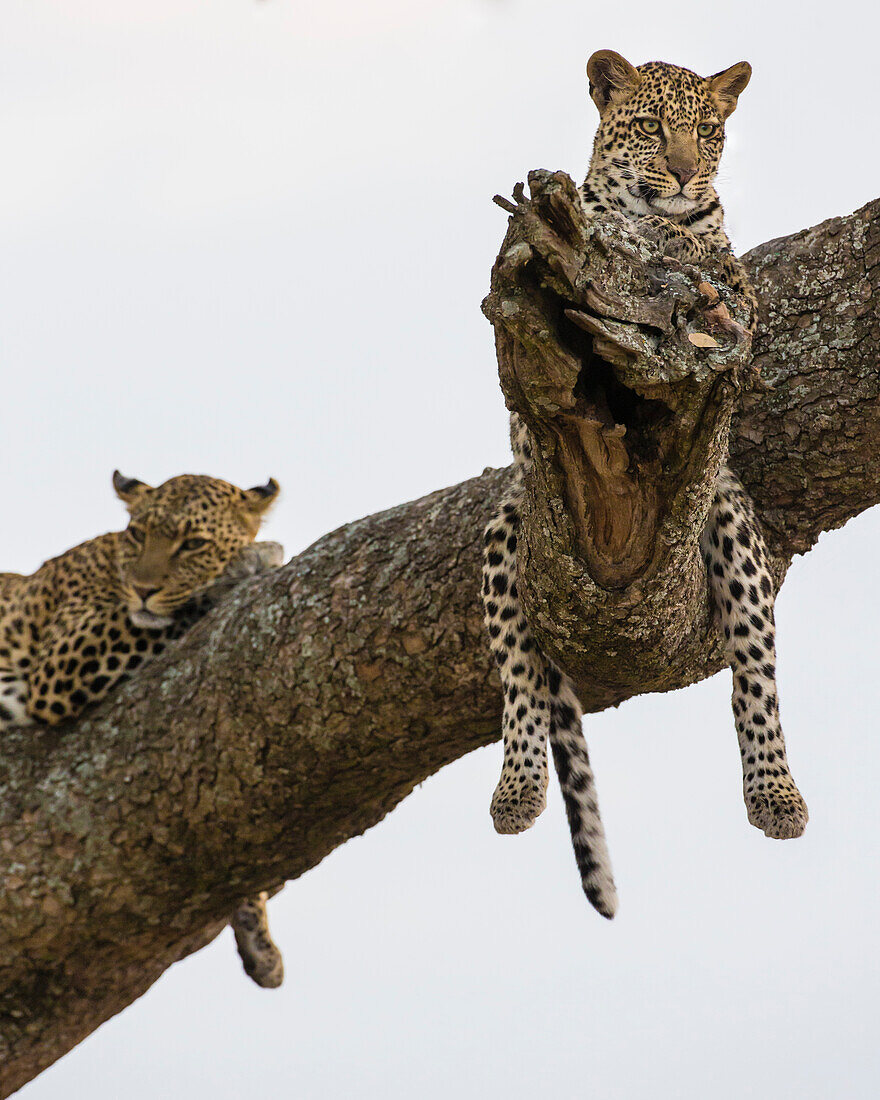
(250, 238)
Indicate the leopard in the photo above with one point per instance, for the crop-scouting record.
(654, 162)
(89, 619)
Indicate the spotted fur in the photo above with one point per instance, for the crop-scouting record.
(90, 618)
(655, 157)
(737, 563)
(260, 957)
(539, 703)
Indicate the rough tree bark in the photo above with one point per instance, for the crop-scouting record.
(301, 712)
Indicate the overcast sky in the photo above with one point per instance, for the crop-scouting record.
(251, 239)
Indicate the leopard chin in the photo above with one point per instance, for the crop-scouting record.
(671, 205)
(148, 620)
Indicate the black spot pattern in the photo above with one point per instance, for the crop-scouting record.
(66, 638)
(539, 703)
(642, 177)
(743, 597)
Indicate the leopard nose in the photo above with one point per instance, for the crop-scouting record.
(682, 173)
(143, 592)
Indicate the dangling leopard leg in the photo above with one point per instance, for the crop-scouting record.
(742, 588)
(579, 795)
(261, 958)
(538, 702)
(521, 793)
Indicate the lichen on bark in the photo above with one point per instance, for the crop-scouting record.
(302, 711)
(626, 366)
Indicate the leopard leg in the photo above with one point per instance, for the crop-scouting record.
(260, 957)
(539, 702)
(737, 560)
(521, 793)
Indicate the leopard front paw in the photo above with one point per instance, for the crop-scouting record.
(683, 249)
(674, 241)
(260, 956)
(779, 812)
(260, 557)
(516, 807)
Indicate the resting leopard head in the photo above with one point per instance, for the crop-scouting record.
(661, 131)
(180, 538)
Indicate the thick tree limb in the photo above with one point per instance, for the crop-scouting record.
(626, 370)
(300, 713)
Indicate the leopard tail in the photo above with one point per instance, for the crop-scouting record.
(578, 786)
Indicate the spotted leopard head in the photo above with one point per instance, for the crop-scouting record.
(661, 130)
(181, 537)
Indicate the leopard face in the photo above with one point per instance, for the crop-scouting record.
(180, 538)
(661, 131)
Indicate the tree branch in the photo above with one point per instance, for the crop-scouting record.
(303, 710)
(626, 368)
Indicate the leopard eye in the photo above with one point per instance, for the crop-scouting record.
(193, 544)
(707, 129)
(649, 125)
(137, 535)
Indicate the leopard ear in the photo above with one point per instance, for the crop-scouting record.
(612, 79)
(261, 497)
(129, 488)
(726, 86)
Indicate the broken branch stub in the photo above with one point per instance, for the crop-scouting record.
(624, 365)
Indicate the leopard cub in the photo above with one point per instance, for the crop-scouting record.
(655, 157)
(90, 618)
